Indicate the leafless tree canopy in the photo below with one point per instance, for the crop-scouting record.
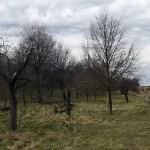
(10, 72)
(44, 54)
(107, 50)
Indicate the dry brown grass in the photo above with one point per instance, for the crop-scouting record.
(91, 127)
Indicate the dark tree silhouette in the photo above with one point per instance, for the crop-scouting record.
(10, 73)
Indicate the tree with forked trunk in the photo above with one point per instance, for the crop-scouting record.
(11, 72)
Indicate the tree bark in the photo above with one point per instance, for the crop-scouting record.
(64, 97)
(126, 97)
(13, 107)
(39, 91)
(87, 96)
(51, 94)
(24, 98)
(109, 101)
(68, 104)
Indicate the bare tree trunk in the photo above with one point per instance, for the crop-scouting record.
(109, 101)
(11, 88)
(39, 92)
(77, 94)
(51, 93)
(87, 96)
(126, 97)
(124, 91)
(13, 107)
(68, 104)
(24, 99)
(64, 97)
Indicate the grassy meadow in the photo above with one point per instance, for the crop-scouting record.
(91, 126)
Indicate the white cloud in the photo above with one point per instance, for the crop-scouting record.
(70, 19)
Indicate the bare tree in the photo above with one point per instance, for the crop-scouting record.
(65, 63)
(10, 73)
(109, 54)
(44, 53)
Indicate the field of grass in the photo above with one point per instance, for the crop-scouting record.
(91, 127)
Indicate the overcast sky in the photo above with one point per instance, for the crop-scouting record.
(69, 20)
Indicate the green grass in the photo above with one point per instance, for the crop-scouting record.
(91, 127)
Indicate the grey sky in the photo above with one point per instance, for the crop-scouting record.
(69, 20)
